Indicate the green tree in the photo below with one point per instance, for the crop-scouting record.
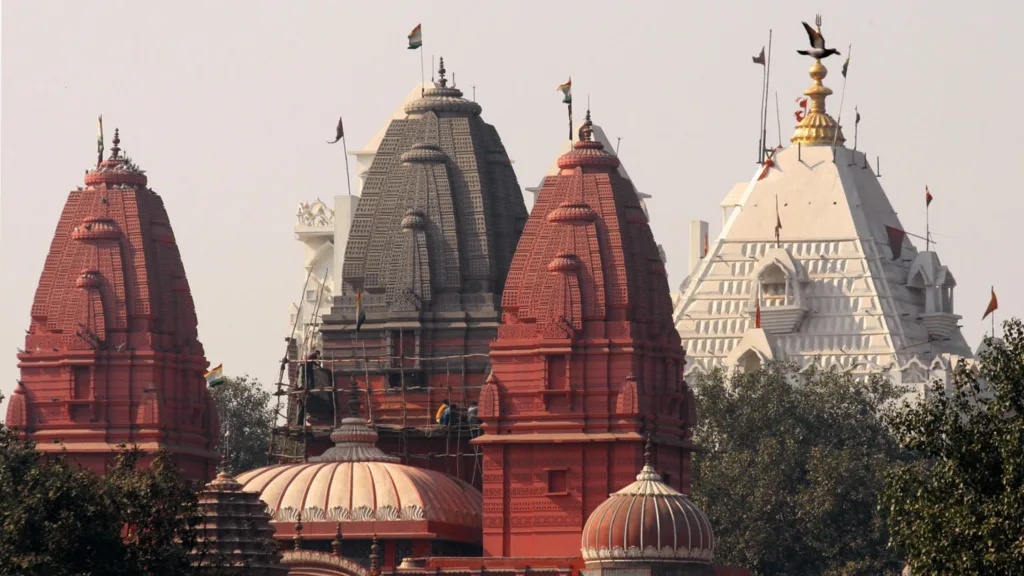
(790, 467)
(960, 508)
(246, 421)
(57, 519)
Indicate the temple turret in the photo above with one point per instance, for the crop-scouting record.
(433, 235)
(112, 353)
(814, 266)
(586, 362)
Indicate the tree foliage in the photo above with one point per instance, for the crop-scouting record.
(246, 421)
(790, 468)
(960, 509)
(60, 520)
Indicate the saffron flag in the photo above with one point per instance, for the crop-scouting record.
(99, 142)
(566, 90)
(896, 237)
(846, 66)
(759, 59)
(416, 37)
(340, 132)
(768, 163)
(993, 304)
(360, 315)
(706, 250)
(215, 376)
(757, 315)
(927, 197)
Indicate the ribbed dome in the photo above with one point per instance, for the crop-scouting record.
(647, 521)
(355, 481)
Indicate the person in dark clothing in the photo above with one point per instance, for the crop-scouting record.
(309, 370)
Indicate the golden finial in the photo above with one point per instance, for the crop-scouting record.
(817, 127)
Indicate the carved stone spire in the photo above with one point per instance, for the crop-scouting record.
(336, 543)
(440, 73)
(297, 539)
(115, 152)
(375, 557)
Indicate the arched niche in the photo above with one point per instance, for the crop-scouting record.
(777, 291)
(755, 349)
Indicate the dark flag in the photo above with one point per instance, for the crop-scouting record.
(993, 304)
(759, 59)
(778, 221)
(896, 237)
(927, 197)
(340, 134)
(846, 66)
(857, 121)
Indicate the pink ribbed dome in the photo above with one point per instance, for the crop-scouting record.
(355, 482)
(647, 521)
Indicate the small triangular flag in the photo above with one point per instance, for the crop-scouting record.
(896, 237)
(993, 304)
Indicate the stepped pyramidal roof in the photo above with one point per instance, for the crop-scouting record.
(814, 266)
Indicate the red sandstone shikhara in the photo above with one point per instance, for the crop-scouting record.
(112, 353)
(585, 387)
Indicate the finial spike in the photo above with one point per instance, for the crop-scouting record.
(336, 544)
(648, 450)
(297, 539)
(116, 150)
(440, 72)
(375, 557)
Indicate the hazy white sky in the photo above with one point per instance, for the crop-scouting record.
(227, 105)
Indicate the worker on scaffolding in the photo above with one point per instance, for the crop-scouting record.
(309, 370)
(450, 416)
(441, 412)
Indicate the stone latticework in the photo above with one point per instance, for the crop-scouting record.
(832, 291)
(235, 535)
(586, 362)
(112, 353)
(438, 220)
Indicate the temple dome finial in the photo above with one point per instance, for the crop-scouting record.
(818, 128)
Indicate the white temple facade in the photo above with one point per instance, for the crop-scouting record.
(323, 229)
(831, 291)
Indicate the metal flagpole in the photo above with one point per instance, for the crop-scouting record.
(842, 99)
(422, 76)
(348, 179)
(778, 120)
(767, 83)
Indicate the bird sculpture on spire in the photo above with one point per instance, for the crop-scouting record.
(818, 50)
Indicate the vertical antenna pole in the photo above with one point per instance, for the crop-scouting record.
(432, 67)
(422, 76)
(778, 120)
(928, 228)
(764, 113)
(878, 167)
(617, 143)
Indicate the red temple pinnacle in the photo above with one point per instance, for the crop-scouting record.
(586, 364)
(112, 354)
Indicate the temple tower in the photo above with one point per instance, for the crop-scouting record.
(112, 353)
(814, 266)
(438, 219)
(586, 362)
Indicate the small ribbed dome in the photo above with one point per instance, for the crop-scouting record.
(647, 521)
(442, 98)
(572, 213)
(116, 170)
(96, 228)
(355, 482)
(414, 220)
(424, 153)
(564, 261)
